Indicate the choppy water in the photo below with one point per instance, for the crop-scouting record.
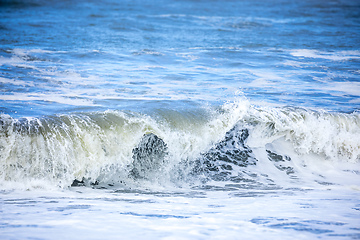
(179, 119)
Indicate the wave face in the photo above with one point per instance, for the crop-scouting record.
(235, 145)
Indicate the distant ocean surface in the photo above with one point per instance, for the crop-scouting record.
(179, 119)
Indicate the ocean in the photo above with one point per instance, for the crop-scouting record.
(179, 119)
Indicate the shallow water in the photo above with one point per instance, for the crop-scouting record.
(179, 119)
(93, 214)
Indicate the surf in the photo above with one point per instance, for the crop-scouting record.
(252, 146)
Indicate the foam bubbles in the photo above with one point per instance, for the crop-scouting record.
(98, 146)
(331, 134)
(334, 56)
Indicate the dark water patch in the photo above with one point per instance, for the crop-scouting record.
(7, 225)
(51, 202)
(347, 235)
(216, 206)
(252, 194)
(189, 194)
(70, 208)
(277, 157)
(21, 202)
(245, 24)
(209, 188)
(300, 227)
(147, 52)
(353, 171)
(311, 226)
(325, 223)
(223, 161)
(280, 162)
(96, 15)
(2, 27)
(357, 207)
(261, 220)
(149, 157)
(275, 192)
(324, 183)
(15, 4)
(162, 216)
(231, 150)
(135, 201)
(307, 205)
(237, 187)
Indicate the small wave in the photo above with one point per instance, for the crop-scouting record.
(334, 56)
(148, 52)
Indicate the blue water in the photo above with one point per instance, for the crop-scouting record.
(256, 105)
(65, 56)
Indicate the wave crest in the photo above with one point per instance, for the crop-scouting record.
(230, 143)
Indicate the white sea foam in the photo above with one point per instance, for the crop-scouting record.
(98, 146)
(16, 82)
(63, 99)
(24, 52)
(334, 56)
(351, 88)
(334, 135)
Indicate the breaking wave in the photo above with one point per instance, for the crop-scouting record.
(236, 145)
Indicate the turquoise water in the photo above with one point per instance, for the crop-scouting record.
(179, 119)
